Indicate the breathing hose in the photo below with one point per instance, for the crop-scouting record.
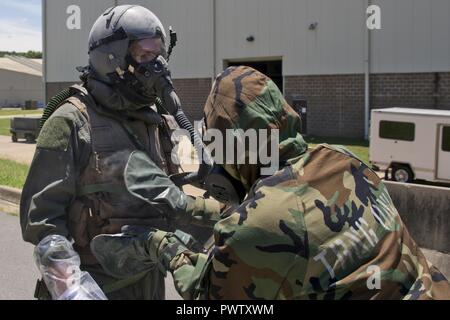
(54, 104)
(171, 103)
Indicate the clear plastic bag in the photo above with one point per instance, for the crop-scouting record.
(86, 289)
(59, 265)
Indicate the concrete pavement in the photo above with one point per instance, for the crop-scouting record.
(16, 151)
(18, 272)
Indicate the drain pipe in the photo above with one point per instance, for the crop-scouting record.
(367, 81)
(214, 43)
(44, 48)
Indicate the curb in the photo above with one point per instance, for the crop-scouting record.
(10, 194)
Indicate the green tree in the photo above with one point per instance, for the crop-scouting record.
(29, 54)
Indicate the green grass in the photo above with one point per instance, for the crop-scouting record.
(4, 127)
(358, 147)
(13, 174)
(13, 112)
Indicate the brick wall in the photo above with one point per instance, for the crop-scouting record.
(336, 102)
(416, 90)
(193, 94)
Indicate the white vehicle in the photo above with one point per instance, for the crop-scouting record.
(411, 144)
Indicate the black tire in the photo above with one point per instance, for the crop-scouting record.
(14, 137)
(402, 173)
(30, 138)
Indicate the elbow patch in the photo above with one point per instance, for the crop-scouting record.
(55, 134)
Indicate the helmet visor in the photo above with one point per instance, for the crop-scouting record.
(146, 50)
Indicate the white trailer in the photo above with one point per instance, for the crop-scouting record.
(411, 144)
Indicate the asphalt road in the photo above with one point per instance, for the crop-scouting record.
(20, 152)
(18, 272)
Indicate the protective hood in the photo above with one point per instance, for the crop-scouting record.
(243, 98)
(109, 98)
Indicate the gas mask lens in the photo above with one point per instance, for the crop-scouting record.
(146, 50)
(146, 65)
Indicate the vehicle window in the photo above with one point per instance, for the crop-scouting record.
(396, 130)
(446, 139)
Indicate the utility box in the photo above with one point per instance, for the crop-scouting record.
(300, 105)
(25, 128)
(30, 105)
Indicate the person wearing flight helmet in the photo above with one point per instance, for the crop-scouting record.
(91, 133)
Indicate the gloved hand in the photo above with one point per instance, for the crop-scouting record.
(172, 245)
(125, 254)
(137, 249)
(205, 211)
(59, 265)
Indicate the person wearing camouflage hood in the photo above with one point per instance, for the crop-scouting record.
(322, 227)
(76, 185)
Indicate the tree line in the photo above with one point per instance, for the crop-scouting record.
(29, 54)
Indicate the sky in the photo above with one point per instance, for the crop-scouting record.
(20, 25)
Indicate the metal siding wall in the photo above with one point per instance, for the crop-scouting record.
(259, 18)
(440, 20)
(422, 30)
(281, 30)
(192, 20)
(414, 36)
(383, 44)
(16, 88)
(66, 49)
(295, 11)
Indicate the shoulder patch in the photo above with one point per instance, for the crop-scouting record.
(55, 134)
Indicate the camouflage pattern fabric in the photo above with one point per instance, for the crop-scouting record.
(243, 98)
(322, 227)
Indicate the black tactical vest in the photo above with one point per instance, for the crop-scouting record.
(102, 204)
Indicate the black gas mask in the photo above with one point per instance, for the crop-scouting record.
(149, 79)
